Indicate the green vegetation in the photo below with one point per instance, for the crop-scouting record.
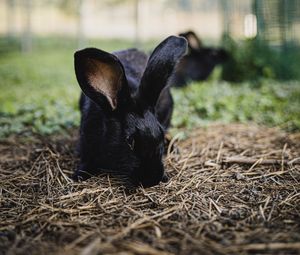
(254, 59)
(270, 103)
(39, 93)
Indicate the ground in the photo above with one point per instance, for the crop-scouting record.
(215, 202)
(234, 189)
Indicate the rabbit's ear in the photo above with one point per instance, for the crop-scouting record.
(159, 69)
(193, 40)
(100, 76)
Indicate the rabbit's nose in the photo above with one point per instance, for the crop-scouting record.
(165, 178)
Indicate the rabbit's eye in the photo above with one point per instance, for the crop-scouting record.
(130, 141)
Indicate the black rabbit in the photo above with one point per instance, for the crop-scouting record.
(125, 110)
(198, 63)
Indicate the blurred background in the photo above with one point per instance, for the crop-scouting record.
(258, 83)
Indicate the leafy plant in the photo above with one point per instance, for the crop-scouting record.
(253, 59)
(272, 103)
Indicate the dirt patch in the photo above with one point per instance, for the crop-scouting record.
(234, 189)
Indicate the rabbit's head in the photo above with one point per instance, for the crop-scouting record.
(204, 54)
(134, 138)
(198, 63)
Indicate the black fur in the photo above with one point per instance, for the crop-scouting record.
(198, 63)
(124, 134)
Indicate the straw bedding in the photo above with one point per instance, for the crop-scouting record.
(234, 189)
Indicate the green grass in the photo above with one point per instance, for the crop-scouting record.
(269, 103)
(39, 93)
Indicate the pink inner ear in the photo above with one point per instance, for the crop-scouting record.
(193, 42)
(105, 78)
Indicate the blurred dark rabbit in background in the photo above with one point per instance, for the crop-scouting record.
(198, 64)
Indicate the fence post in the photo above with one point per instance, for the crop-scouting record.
(136, 23)
(27, 31)
(11, 18)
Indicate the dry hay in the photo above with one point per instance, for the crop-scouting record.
(211, 205)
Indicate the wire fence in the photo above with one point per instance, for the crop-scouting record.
(275, 21)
